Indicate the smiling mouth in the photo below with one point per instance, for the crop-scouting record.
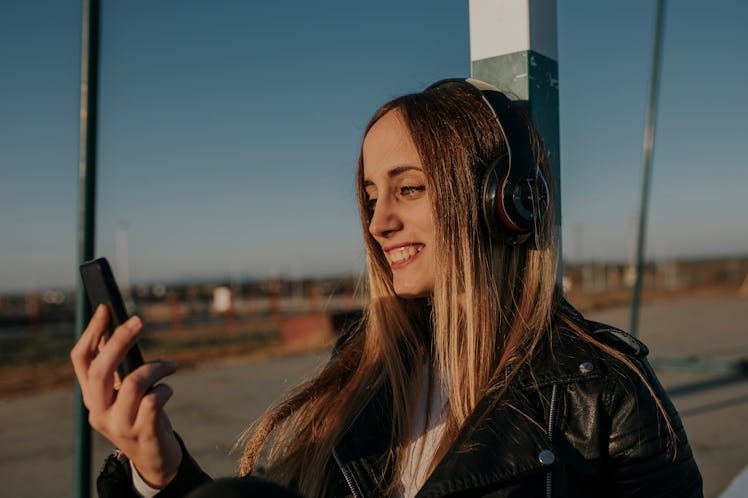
(403, 254)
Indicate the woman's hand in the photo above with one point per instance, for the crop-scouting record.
(131, 417)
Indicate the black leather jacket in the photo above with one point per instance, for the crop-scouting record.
(575, 423)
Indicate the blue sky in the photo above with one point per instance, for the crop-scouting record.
(229, 130)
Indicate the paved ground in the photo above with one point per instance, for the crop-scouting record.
(213, 405)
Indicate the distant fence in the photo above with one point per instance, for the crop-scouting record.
(676, 274)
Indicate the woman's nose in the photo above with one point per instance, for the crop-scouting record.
(384, 220)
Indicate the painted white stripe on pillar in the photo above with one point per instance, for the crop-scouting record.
(499, 27)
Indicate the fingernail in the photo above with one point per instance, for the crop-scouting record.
(133, 323)
(170, 364)
(99, 309)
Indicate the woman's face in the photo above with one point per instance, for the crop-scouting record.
(399, 205)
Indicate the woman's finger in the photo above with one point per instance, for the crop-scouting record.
(101, 370)
(84, 350)
(137, 386)
(152, 405)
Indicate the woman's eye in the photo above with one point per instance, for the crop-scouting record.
(412, 189)
(370, 205)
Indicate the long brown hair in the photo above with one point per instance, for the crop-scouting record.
(491, 307)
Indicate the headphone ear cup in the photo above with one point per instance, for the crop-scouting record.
(530, 201)
(510, 212)
(539, 190)
(522, 202)
(491, 201)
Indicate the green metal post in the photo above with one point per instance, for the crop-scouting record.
(513, 46)
(86, 225)
(654, 86)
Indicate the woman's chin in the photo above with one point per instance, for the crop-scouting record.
(413, 292)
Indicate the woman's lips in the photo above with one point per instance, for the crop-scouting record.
(401, 255)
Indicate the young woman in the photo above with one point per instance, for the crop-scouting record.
(469, 374)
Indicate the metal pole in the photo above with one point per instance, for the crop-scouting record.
(86, 225)
(649, 130)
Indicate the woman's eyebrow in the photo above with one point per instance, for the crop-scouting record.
(398, 170)
(402, 169)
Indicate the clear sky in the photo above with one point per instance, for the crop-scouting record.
(229, 130)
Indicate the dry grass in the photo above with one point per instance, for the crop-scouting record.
(32, 371)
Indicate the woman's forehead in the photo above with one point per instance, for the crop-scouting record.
(388, 148)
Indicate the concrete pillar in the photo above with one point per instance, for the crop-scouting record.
(513, 46)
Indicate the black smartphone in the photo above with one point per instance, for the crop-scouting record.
(101, 288)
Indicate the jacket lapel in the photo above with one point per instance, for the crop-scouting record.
(502, 441)
(499, 444)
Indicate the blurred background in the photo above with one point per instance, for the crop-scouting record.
(228, 138)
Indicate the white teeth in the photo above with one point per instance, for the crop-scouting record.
(403, 253)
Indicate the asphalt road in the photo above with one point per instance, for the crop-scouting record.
(213, 405)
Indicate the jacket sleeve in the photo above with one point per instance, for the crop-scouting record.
(649, 453)
(115, 480)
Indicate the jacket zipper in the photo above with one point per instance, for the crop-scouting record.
(348, 476)
(551, 423)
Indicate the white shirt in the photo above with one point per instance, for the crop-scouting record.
(428, 429)
(142, 487)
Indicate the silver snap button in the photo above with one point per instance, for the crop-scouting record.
(547, 457)
(586, 367)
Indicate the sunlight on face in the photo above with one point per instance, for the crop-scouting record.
(399, 204)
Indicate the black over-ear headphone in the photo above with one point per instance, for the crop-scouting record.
(514, 191)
